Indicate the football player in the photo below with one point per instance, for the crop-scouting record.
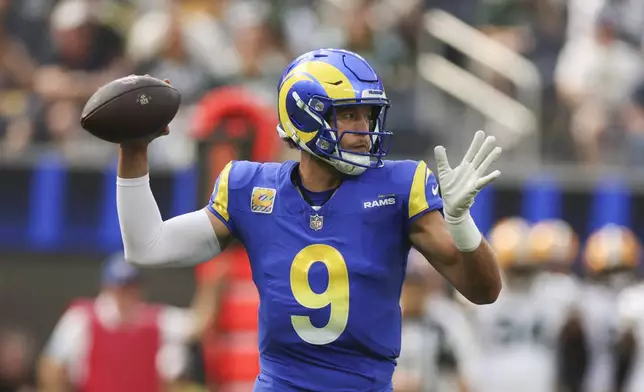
(611, 256)
(629, 353)
(327, 237)
(554, 246)
(513, 347)
(437, 340)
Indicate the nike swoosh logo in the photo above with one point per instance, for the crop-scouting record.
(435, 190)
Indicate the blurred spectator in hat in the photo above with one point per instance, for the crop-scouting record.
(83, 53)
(435, 334)
(119, 342)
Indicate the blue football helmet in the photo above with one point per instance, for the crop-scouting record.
(311, 89)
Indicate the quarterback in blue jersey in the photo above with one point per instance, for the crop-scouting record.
(327, 237)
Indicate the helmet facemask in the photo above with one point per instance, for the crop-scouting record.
(327, 144)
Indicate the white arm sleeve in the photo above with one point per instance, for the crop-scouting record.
(148, 241)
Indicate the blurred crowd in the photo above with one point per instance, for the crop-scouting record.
(569, 318)
(55, 53)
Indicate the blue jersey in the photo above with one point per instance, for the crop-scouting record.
(329, 279)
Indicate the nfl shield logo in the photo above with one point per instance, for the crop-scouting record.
(316, 222)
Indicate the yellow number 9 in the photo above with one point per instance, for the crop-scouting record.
(336, 295)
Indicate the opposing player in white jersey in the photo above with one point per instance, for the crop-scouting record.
(554, 246)
(437, 340)
(513, 349)
(610, 257)
(621, 249)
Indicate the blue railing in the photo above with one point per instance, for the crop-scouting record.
(49, 207)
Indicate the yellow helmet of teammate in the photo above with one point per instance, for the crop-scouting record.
(611, 248)
(508, 239)
(553, 242)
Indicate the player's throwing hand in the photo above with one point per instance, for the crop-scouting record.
(459, 186)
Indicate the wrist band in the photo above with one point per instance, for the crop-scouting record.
(465, 234)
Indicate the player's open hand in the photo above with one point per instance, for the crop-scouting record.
(459, 186)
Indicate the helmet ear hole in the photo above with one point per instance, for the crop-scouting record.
(325, 145)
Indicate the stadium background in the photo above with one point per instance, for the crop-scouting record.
(569, 113)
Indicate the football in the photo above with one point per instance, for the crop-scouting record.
(130, 108)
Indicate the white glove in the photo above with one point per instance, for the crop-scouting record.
(460, 186)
